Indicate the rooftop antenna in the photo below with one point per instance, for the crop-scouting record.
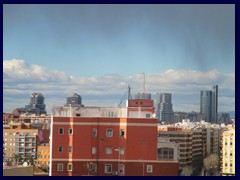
(143, 82)
(129, 92)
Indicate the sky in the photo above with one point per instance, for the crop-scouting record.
(97, 50)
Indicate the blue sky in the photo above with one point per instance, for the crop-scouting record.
(115, 43)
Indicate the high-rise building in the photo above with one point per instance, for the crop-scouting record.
(74, 99)
(209, 104)
(164, 110)
(36, 105)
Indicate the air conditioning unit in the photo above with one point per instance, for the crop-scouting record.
(115, 173)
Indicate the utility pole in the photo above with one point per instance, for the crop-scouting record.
(118, 150)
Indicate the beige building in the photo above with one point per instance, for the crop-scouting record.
(190, 143)
(43, 155)
(167, 151)
(213, 140)
(228, 152)
(17, 140)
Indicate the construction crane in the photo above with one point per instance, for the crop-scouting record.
(128, 94)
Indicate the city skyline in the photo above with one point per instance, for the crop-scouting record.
(97, 50)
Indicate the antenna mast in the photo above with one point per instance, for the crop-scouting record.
(143, 82)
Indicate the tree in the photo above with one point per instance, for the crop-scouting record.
(16, 158)
(30, 159)
(187, 171)
(211, 164)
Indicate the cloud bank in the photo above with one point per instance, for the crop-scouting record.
(21, 79)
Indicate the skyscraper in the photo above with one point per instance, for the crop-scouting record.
(36, 105)
(74, 99)
(209, 104)
(164, 110)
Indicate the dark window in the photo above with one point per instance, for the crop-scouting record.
(121, 132)
(61, 131)
(60, 149)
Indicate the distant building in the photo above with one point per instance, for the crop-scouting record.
(228, 153)
(209, 104)
(36, 105)
(179, 116)
(164, 109)
(143, 96)
(224, 118)
(18, 111)
(74, 99)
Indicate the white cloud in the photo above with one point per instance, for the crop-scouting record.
(21, 79)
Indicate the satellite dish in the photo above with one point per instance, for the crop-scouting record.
(25, 164)
(154, 115)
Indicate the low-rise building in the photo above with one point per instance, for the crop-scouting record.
(43, 155)
(107, 142)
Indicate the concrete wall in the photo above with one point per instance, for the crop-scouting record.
(18, 171)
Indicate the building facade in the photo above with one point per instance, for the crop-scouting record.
(224, 118)
(36, 105)
(164, 109)
(74, 100)
(209, 104)
(43, 155)
(228, 153)
(189, 141)
(107, 142)
(20, 141)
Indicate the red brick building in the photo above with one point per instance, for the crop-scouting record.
(106, 142)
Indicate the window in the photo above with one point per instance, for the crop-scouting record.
(121, 132)
(94, 132)
(70, 149)
(69, 167)
(121, 151)
(70, 131)
(109, 133)
(60, 149)
(148, 115)
(108, 150)
(121, 169)
(108, 168)
(60, 131)
(94, 150)
(149, 168)
(94, 168)
(60, 167)
(165, 154)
